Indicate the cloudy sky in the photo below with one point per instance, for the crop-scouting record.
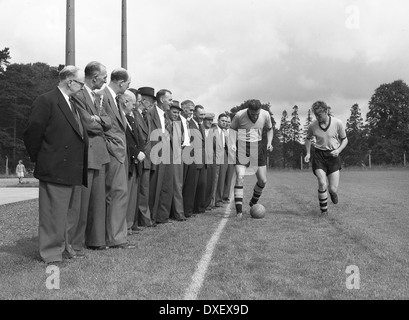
(220, 53)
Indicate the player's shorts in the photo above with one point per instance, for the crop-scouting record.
(251, 153)
(322, 159)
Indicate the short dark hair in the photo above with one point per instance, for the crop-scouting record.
(198, 106)
(254, 104)
(161, 93)
(319, 106)
(222, 115)
(92, 69)
(119, 74)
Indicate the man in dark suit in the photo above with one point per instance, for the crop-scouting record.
(135, 155)
(160, 182)
(57, 142)
(194, 189)
(143, 104)
(90, 229)
(116, 175)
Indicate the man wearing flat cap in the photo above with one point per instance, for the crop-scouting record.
(176, 166)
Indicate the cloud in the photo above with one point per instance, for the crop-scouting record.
(220, 53)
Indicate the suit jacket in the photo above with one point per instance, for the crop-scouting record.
(134, 145)
(54, 141)
(220, 156)
(97, 149)
(115, 137)
(197, 142)
(154, 124)
(144, 134)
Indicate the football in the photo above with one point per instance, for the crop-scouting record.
(257, 211)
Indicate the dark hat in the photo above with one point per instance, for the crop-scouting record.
(209, 116)
(147, 91)
(176, 105)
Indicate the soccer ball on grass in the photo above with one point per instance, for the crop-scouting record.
(257, 211)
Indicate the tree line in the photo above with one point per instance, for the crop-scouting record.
(384, 135)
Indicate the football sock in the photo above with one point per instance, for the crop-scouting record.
(323, 199)
(238, 198)
(258, 190)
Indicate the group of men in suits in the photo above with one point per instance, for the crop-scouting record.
(113, 160)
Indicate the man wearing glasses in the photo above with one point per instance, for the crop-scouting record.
(57, 142)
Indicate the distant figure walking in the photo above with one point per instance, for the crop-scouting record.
(20, 171)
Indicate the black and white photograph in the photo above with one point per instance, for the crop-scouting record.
(204, 155)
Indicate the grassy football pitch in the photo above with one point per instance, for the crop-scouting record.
(292, 253)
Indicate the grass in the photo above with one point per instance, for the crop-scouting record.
(292, 253)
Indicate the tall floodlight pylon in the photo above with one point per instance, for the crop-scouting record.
(70, 34)
(124, 33)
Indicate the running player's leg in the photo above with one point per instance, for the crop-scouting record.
(333, 182)
(238, 189)
(322, 190)
(261, 175)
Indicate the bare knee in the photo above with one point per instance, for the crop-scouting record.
(332, 189)
(262, 182)
(322, 185)
(239, 181)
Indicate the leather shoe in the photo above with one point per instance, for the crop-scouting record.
(136, 229)
(97, 247)
(165, 222)
(54, 263)
(126, 245)
(181, 219)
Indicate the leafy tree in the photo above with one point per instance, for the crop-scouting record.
(296, 147)
(4, 59)
(356, 151)
(388, 123)
(20, 84)
(307, 123)
(285, 137)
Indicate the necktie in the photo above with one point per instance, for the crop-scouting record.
(76, 116)
(94, 98)
(201, 129)
(168, 126)
(117, 104)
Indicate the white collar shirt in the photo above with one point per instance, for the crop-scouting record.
(161, 114)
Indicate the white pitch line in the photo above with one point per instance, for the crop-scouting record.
(198, 277)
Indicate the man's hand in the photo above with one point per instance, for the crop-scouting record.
(96, 118)
(307, 158)
(270, 147)
(234, 148)
(335, 153)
